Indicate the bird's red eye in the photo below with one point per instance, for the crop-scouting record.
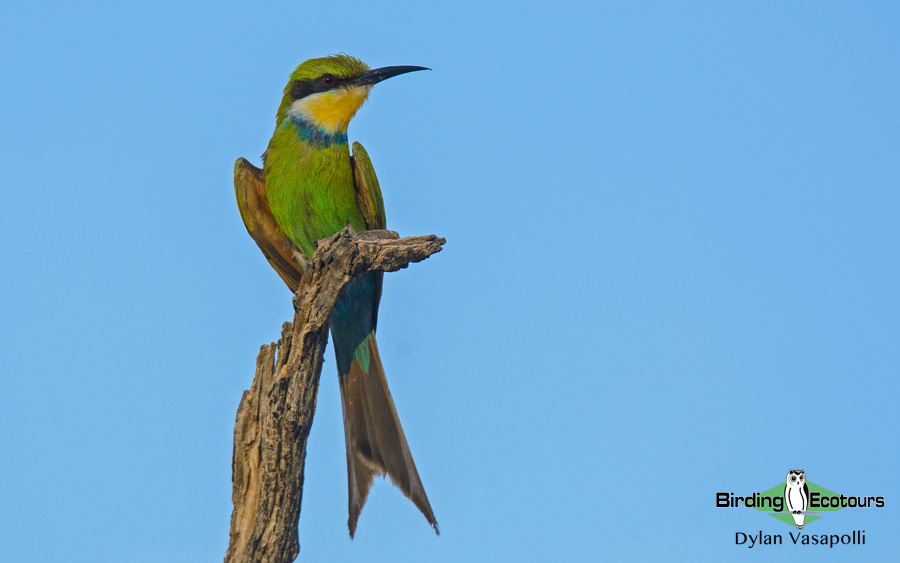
(328, 79)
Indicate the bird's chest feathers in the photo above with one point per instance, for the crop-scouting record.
(310, 189)
(330, 111)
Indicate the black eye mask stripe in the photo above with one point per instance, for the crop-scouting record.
(303, 88)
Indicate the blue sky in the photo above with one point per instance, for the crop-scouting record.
(671, 270)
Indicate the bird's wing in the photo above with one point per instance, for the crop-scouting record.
(250, 189)
(368, 193)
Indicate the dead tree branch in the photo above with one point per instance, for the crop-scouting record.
(275, 415)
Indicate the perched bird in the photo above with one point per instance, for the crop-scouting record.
(311, 188)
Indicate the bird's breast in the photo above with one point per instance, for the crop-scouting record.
(311, 191)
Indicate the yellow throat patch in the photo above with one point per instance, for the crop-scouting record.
(331, 111)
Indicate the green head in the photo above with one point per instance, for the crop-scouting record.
(326, 92)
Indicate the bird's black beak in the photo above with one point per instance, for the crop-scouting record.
(376, 75)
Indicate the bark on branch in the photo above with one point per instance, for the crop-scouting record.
(274, 417)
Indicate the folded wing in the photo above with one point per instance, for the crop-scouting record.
(250, 190)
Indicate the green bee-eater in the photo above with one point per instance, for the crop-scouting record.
(310, 189)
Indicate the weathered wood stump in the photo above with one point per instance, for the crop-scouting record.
(274, 417)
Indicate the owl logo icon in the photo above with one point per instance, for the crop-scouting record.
(796, 495)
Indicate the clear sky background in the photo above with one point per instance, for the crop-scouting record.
(672, 269)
